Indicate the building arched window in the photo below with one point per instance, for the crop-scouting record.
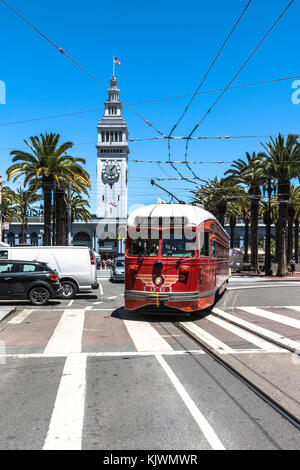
(34, 241)
(11, 239)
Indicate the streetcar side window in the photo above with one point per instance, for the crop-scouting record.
(204, 244)
(213, 249)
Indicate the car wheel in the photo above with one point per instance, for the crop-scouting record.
(69, 290)
(39, 295)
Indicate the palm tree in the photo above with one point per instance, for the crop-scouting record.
(283, 159)
(8, 211)
(80, 208)
(250, 173)
(48, 163)
(22, 200)
(216, 194)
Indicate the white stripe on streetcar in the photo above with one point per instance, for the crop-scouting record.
(244, 334)
(65, 429)
(263, 331)
(67, 335)
(145, 337)
(20, 318)
(209, 339)
(202, 422)
(272, 316)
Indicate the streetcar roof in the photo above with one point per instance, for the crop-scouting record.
(193, 215)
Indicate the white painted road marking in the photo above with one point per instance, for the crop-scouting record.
(145, 337)
(70, 303)
(65, 429)
(20, 318)
(272, 316)
(244, 334)
(209, 339)
(101, 289)
(203, 424)
(67, 335)
(263, 331)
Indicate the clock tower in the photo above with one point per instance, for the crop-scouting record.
(112, 166)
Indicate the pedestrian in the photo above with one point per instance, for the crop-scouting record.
(103, 264)
(293, 265)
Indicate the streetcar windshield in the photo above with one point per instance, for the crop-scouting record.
(177, 244)
(143, 247)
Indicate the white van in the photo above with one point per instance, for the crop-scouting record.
(74, 264)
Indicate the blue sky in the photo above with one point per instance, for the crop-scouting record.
(165, 48)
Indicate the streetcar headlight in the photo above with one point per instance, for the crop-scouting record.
(158, 280)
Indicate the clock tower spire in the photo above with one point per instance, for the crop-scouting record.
(112, 166)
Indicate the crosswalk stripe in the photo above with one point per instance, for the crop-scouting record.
(203, 424)
(209, 339)
(20, 318)
(145, 337)
(244, 334)
(263, 331)
(67, 335)
(65, 429)
(272, 316)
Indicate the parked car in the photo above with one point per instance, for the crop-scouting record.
(22, 280)
(117, 270)
(236, 260)
(74, 264)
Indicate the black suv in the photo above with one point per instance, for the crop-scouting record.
(28, 280)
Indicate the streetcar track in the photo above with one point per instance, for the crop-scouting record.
(254, 388)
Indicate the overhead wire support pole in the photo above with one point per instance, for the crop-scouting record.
(236, 75)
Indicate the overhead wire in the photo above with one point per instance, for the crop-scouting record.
(63, 52)
(236, 75)
(202, 82)
(56, 116)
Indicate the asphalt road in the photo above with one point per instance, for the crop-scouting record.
(86, 374)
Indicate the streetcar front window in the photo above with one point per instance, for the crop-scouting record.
(143, 247)
(177, 244)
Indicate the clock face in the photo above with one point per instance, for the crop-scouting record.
(111, 170)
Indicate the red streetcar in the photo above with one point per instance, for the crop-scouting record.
(176, 255)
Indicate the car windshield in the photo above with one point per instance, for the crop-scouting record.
(120, 264)
(179, 244)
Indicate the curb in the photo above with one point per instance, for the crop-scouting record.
(5, 314)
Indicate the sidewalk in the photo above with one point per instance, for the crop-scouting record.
(295, 277)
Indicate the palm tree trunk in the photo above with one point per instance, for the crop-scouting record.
(232, 224)
(246, 241)
(283, 196)
(222, 206)
(296, 241)
(254, 232)
(47, 184)
(60, 218)
(23, 234)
